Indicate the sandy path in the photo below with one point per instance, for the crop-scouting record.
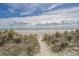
(44, 49)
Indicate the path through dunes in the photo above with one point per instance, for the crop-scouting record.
(44, 49)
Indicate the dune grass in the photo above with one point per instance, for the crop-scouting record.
(63, 41)
(14, 44)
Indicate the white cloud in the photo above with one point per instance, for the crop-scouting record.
(26, 13)
(53, 6)
(43, 19)
(11, 10)
(63, 11)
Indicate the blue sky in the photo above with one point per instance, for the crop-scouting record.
(29, 15)
(8, 10)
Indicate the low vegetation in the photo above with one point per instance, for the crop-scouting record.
(12, 43)
(63, 41)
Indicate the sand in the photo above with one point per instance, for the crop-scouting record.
(44, 48)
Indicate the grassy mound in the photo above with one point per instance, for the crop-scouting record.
(66, 41)
(12, 43)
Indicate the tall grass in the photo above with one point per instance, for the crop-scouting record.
(63, 41)
(12, 43)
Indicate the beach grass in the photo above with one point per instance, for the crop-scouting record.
(61, 42)
(15, 44)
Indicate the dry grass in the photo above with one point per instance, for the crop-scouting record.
(60, 42)
(12, 43)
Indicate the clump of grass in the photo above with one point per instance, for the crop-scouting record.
(12, 43)
(62, 41)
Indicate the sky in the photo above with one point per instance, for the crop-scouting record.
(8, 10)
(37, 15)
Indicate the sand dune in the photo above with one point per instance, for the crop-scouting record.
(44, 48)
